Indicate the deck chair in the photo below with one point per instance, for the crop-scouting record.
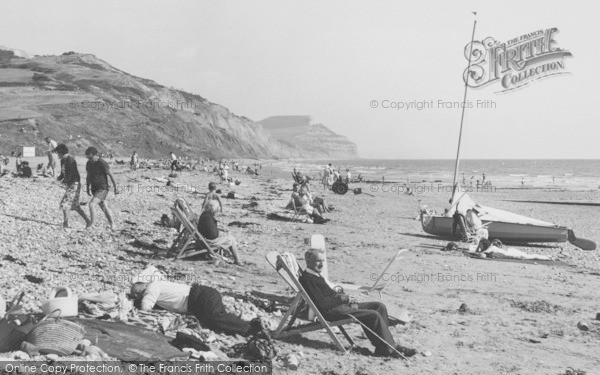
(297, 211)
(189, 242)
(286, 266)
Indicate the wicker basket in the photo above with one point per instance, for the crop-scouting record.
(56, 336)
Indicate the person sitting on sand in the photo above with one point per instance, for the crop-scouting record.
(474, 224)
(317, 203)
(495, 249)
(25, 170)
(211, 195)
(203, 302)
(207, 226)
(335, 305)
(71, 180)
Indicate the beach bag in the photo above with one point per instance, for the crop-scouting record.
(55, 336)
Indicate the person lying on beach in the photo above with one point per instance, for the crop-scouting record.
(335, 305)
(211, 195)
(495, 249)
(203, 302)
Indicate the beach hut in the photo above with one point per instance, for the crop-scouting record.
(28, 151)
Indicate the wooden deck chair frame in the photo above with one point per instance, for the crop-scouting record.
(189, 239)
(298, 211)
(286, 326)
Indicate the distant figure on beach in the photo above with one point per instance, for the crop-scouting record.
(522, 181)
(173, 161)
(70, 178)
(483, 179)
(52, 157)
(211, 195)
(18, 162)
(326, 177)
(25, 170)
(134, 162)
(348, 176)
(98, 172)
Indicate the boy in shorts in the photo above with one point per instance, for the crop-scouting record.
(70, 178)
(98, 172)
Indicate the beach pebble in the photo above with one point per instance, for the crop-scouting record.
(292, 362)
(598, 316)
(52, 357)
(426, 353)
(583, 326)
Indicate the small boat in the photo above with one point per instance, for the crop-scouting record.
(503, 225)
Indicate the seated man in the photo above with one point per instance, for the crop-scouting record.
(335, 306)
(207, 226)
(204, 302)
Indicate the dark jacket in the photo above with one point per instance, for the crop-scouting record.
(321, 293)
(207, 226)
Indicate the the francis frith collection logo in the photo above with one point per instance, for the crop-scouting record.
(517, 62)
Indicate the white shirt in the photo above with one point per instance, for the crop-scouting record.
(173, 157)
(166, 294)
(52, 145)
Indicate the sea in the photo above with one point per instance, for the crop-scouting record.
(571, 174)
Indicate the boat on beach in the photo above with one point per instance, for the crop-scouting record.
(503, 225)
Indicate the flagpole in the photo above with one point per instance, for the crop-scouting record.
(462, 117)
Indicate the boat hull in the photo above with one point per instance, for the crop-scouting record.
(505, 232)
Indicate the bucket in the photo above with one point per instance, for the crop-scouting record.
(61, 300)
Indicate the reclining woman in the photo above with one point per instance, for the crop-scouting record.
(495, 249)
(318, 203)
(300, 200)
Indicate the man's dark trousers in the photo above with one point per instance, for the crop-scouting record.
(206, 304)
(371, 314)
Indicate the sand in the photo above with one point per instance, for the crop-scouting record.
(522, 318)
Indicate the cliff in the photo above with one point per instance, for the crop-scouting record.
(83, 101)
(310, 140)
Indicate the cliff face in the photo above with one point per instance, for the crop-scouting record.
(83, 101)
(311, 140)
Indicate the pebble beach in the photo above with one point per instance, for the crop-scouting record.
(520, 318)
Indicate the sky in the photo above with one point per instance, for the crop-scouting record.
(343, 63)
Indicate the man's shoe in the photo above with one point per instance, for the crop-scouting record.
(407, 352)
(259, 329)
